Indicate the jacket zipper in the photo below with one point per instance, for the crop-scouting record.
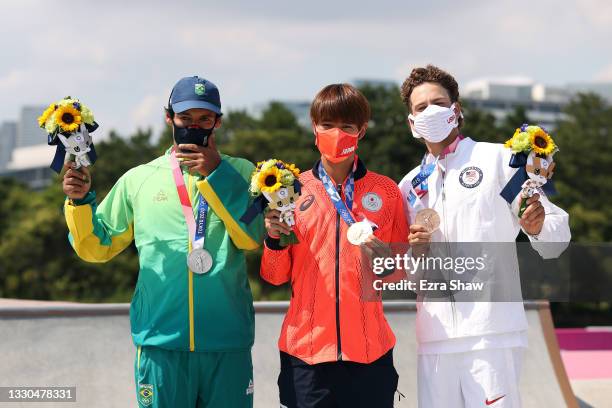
(452, 297)
(338, 339)
(190, 284)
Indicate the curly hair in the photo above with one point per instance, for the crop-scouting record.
(432, 74)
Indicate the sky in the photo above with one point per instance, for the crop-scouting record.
(123, 57)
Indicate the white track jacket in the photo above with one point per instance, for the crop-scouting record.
(465, 191)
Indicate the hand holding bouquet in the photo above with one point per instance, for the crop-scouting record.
(275, 185)
(533, 151)
(69, 123)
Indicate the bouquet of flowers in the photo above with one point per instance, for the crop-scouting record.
(533, 149)
(69, 123)
(275, 185)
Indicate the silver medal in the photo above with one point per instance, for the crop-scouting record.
(199, 261)
(359, 232)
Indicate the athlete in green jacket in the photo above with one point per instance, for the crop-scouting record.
(193, 326)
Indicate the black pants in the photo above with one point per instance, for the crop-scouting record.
(337, 384)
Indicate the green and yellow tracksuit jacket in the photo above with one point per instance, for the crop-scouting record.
(172, 307)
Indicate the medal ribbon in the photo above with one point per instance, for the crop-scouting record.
(197, 229)
(198, 240)
(419, 183)
(343, 208)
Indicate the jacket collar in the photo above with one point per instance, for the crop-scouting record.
(360, 171)
(448, 150)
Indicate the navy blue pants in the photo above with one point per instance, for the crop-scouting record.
(337, 384)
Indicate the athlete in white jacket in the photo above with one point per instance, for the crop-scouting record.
(469, 352)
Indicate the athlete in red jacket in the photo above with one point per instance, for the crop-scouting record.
(336, 345)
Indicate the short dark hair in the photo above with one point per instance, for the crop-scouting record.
(432, 74)
(340, 102)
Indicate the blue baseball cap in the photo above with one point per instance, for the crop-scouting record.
(195, 92)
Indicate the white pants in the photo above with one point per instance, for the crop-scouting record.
(480, 378)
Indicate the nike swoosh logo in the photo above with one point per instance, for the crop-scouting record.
(493, 401)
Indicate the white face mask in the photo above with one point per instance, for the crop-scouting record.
(435, 123)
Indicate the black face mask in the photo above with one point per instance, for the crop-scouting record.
(196, 136)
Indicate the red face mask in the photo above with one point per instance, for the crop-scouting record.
(335, 144)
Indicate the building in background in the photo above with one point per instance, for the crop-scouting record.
(301, 111)
(543, 104)
(8, 140)
(552, 94)
(506, 89)
(500, 97)
(29, 133)
(30, 165)
(24, 153)
(603, 89)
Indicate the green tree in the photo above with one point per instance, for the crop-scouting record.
(276, 135)
(389, 147)
(278, 117)
(478, 124)
(36, 260)
(13, 200)
(510, 123)
(583, 162)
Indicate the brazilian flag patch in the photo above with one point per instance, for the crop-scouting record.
(200, 89)
(145, 394)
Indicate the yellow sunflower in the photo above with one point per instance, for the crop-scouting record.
(45, 115)
(68, 118)
(269, 180)
(541, 142)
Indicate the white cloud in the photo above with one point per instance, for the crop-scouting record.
(597, 12)
(605, 74)
(122, 58)
(405, 68)
(148, 110)
(12, 80)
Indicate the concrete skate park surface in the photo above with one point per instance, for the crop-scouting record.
(89, 346)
